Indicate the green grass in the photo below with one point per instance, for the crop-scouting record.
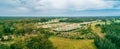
(63, 43)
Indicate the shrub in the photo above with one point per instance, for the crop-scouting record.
(32, 42)
(2, 46)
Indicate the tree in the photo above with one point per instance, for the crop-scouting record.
(33, 42)
(104, 44)
(1, 35)
(6, 29)
(2, 46)
(44, 31)
(86, 31)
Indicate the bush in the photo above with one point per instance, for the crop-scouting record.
(32, 42)
(0, 35)
(97, 25)
(2, 46)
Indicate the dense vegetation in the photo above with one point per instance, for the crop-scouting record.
(21, 33)
(32, 42)
(112, 37)
(79, 19)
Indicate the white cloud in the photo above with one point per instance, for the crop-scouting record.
(57, 6)
(89, 4)
(62, 4)
(68, 4)
(19, 10)
(10, 2)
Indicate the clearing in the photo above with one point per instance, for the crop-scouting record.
(64, 43)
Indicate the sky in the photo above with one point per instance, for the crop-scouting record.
(59, 7)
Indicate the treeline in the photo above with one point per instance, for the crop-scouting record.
(79, 19)
(23, 20)
(87, 19)
(112, 37)
(14, 25)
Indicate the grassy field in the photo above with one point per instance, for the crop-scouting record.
(63, 43)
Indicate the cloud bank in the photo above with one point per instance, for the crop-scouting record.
(52, 7)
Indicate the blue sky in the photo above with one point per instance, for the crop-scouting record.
(60, 7)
